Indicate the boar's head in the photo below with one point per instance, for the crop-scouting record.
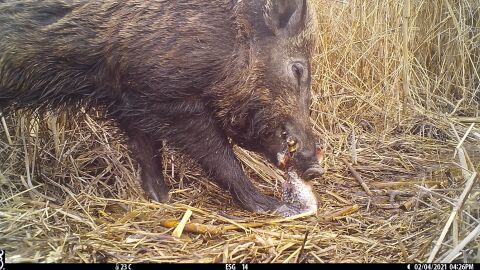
(267, 89)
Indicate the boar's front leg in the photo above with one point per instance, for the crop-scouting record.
(148, 155)
(203, 140)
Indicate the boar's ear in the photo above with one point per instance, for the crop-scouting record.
(285, 16)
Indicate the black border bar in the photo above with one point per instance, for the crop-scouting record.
(242, 266)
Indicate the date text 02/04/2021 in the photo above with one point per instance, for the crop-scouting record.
(441, 266)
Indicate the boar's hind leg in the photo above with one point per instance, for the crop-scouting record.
(149, 158)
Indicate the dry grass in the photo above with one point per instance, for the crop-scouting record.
(399, 102)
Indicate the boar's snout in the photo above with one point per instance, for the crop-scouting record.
(313, 172)
(307, 161)
(301, 152)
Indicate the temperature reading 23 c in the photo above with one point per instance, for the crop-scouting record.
(123, 266)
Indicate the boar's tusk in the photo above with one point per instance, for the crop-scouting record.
(292, 145)
(283, 160)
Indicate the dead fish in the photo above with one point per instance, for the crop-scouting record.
(299, 193)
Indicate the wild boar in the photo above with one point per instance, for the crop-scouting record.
(198, 75)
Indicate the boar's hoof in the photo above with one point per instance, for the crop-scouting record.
(156, 195)
(155, 190)
(259, 203)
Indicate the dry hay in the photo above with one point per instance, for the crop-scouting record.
(69, 190)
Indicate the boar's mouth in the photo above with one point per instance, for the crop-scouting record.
(287, 161)
(289, 146)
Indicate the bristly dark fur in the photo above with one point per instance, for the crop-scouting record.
(193, 73)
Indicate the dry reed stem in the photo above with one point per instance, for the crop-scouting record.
(181, 225)
(456, 209)
(406, 54)
(407, 206)
(358, 177)
(342, 213)
(455, 252)
(468, 120)
(406, 183)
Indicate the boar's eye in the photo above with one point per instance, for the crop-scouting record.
(298, 71)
